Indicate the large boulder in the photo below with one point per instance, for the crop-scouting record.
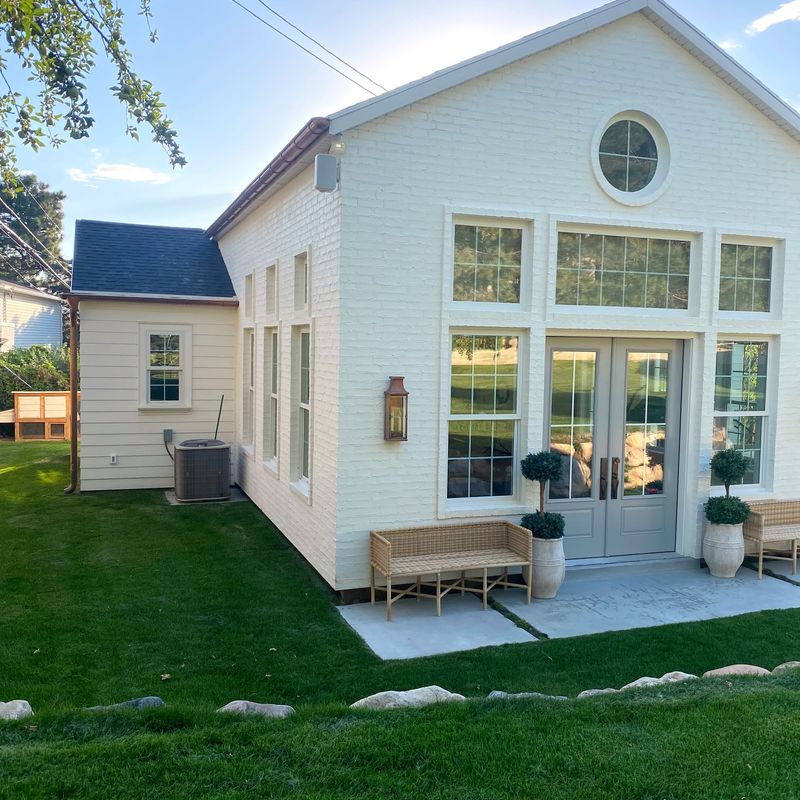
(15, 709)
(735, 669)
(786, 667)
(272, 710)
(595, 693)
(413, 698)
(151, 701)
(497, 695)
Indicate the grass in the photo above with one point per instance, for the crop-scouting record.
(103, 594)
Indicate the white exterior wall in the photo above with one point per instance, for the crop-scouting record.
(294, 220)
(36, 320)
(112, 421)
(516, 143)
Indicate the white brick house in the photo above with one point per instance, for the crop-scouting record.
(584, 241)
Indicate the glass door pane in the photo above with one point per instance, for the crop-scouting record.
(572, 421)
(645, 423)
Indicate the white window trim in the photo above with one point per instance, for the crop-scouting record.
(249, 296)
(302, 305)
(299, 482)
(488, 506)
(271, 314)
(271, 368)
(767, 416)
(185, 369)
(249, 389)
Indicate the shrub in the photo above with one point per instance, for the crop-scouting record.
(729, 466)
(544, 526)
(726, 510)
(43, 369)
(542, 467)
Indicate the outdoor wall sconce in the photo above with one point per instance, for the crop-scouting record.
(395, 415)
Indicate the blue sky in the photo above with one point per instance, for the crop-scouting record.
(237, 91)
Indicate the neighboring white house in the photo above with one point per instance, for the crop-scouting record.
(586, 241)
(28, 317)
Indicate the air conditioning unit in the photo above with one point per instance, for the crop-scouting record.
(202, 470)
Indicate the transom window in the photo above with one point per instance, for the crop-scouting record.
(488, 263)
(628, 155)
(164, 368)
(745, 277)
(740, 402)
(483, 415)
(625, 271)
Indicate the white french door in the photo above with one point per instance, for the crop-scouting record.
(614, 418)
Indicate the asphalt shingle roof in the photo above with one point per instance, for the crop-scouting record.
(147, 259)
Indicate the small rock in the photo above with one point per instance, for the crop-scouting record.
(677, 677)
(273, 710)
(413, 698)
(595, 693)
(138, 703)
(15, 709)
(789, 665)
(496, 695)
(640, 683)
(736, 669)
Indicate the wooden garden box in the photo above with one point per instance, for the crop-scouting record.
(42, 415)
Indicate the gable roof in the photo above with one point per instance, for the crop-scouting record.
(115, 258)
(18, 288)
(662, 15)
(300, 152)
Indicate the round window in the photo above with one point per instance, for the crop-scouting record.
(628, 155)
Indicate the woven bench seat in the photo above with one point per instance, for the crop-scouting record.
(431, 551)
(773, 521)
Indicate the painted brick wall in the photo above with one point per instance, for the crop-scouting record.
(516, 143)
(296, 219)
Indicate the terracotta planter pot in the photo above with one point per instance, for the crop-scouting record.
(548, 567)
(723, 549)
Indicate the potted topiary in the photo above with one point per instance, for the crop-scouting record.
(723, 543)
(547, 528)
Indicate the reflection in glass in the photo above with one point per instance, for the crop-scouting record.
(572, 421)
(645, 423)
(487, 264)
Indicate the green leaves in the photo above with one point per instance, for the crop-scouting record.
(55, 43)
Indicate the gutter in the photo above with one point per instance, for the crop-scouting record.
(306, 138)
(73, 394)
(154, 298)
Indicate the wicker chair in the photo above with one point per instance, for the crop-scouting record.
(431, 551)
(771, 522)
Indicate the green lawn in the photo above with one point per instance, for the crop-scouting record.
(100, 595)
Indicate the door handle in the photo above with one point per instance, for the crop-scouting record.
(614, 477)
(603, 477)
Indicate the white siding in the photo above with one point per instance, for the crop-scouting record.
(295, 220)
(517, 143)
(111, 420)
(35, 320)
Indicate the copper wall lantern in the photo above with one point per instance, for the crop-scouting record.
(395, 415)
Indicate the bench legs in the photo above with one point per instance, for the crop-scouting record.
(388, 598)
(792, 558)
(372, 585)
(485, 587)
(530, 581)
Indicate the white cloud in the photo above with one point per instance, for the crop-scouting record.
(730, 44)
(129, 173)
(784, 13)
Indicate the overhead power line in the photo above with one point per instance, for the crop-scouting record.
(57, 259)
(27, 248)
(322, 46)
(302, 47)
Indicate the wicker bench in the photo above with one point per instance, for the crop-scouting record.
(429, 552)
(771, 522)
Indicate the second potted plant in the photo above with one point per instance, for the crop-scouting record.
(723, 543)
(547, 528)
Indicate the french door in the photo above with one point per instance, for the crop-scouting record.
(614, 418)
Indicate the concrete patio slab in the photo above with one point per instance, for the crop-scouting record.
(416, 631)
(599, 599)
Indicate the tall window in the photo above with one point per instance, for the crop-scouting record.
(164, 368)
(248, 296)
(483, 415)
(270, 443)
(302, 433)
(271, 289)
(302, 280)
(487, 264)
(740, 402)
(745, 277)
(248, 387)
(624, 271)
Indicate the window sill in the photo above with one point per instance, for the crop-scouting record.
(751, 492)
(248, 450)
(271, 466)
(483, 508)
(170, 408)
(302, 488)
